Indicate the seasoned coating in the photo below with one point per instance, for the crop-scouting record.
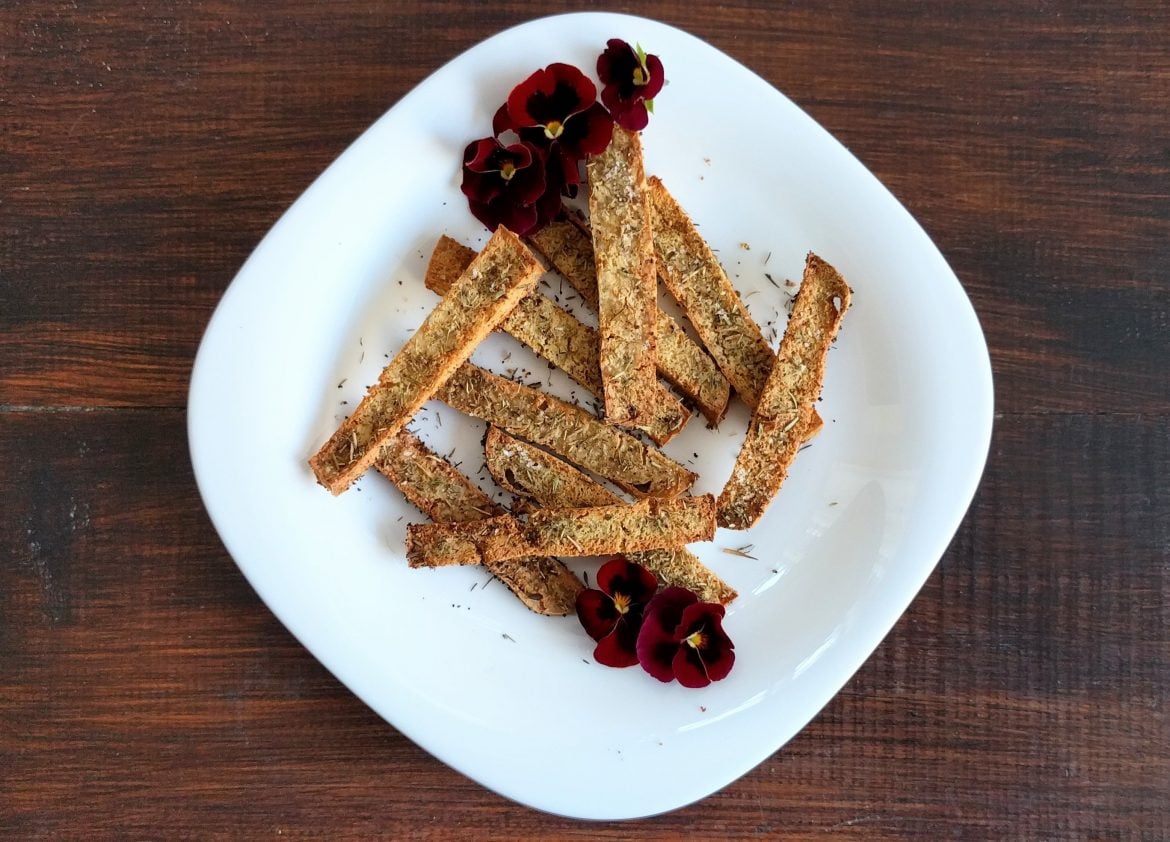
(568, 247)
(445, 495)
(601, 530)
(783, 418)
(566, 430)
(558, 337)
(694, 276)
(478, 301)
(530, 473)
(627, 286)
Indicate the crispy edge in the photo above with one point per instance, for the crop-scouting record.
(502, 274)
(783, 419)
(558, 337)
(627, 286)
(600, 530)
(530, 473)
(567, 430)
(697, 281)
(567, 245)
(542, 583)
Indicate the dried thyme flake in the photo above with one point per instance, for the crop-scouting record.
(742, 552)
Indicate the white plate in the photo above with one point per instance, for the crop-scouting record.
(505, 696)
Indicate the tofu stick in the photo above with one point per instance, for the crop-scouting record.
(784, 415)
(445, 495)
(566, 430)
(559, 337)
(478, 301)
(627, 285)
(532, 474)
(601, 530)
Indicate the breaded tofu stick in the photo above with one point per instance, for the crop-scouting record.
(566, 430)
(445, 495)
(782, 418)
(601, 530)
(528, 472)
(627, 285)
(478, 301)
(568, 246)
(696, 280)
(558, 337)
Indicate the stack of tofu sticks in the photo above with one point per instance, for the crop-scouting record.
(544, 450)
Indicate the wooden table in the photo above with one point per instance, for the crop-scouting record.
(146, 691)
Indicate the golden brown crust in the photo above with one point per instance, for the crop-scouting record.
(502, 274)
(528, 472)
(783, 418)
(568, 246)
(445, 495)
(567, 430)
(627, 286)
(696, 280)
(558, 337)
(601, 530)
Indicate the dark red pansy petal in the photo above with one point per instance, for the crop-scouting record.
(717, 652)
(588, 133)
(700, 615)
(528, 184)
(482, 187)
(631, 116)
(689, 668)
(667, 608)
(607, 572)
(597, 613)
(622, 576)
(657, 643)
(548, 206)
(553, 94)
(719, 660)
(489, 155)
(657, 78)
(536, 136)
(616, 649)
(656, 648)
(502, 121)
(478, 152)
(517, 219)
(614, 62)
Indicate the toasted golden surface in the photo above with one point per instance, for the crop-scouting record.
(531, 473)
(558, 337)
(568, 246)
(566, 430)
(600, 530)
(694, 276)
(784, 416)
(445, 495)
(627, 286)
(478, 301)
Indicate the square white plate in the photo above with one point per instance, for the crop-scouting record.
(507, 697)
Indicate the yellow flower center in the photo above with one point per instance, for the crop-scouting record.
(553, 130)
(507, 171)
(621, 602)
(640, 76)
(696, 640)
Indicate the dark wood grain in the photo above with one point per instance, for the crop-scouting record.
(145, 691)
